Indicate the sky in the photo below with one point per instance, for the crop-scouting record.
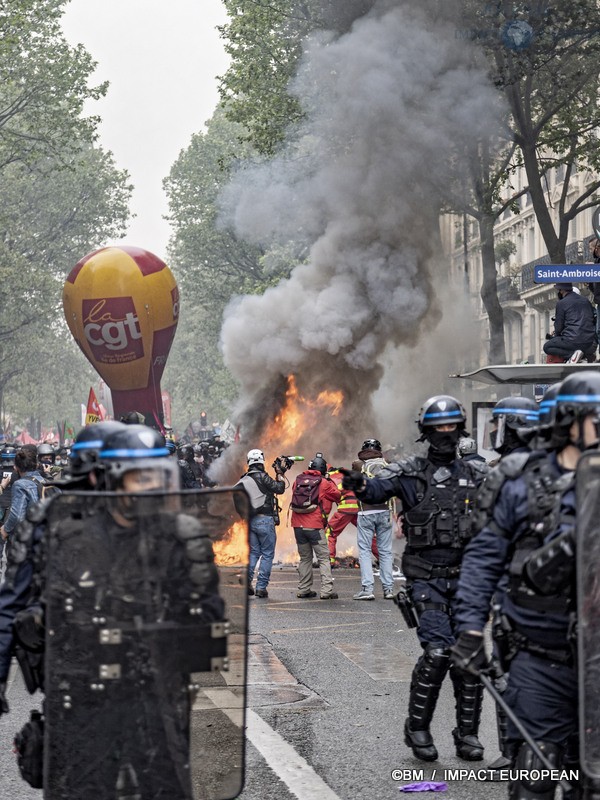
(161, 59)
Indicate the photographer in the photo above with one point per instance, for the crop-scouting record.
(264, 515)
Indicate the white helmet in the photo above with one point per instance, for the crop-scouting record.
(255, 457)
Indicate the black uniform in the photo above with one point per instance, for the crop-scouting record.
(531, 509)
(436, 510)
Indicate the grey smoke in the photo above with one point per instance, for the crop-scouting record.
(360, 188)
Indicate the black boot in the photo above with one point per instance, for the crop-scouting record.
(468, 691)
(427, 678)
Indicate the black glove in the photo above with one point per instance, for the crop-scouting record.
(353, 480)
(468, 654)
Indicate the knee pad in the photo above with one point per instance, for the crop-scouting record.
(530, 764)
(434, 664)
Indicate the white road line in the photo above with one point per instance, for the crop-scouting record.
(297, 774)
(299, 777)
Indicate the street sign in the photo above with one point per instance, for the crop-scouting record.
(566, 273)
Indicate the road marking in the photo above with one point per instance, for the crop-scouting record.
(321, 627)
(297, 774)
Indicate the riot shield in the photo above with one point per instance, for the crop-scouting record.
(146, 628)
(588, 610)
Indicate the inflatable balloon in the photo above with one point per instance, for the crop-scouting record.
(122, 307)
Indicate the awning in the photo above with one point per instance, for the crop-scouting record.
(524, 373)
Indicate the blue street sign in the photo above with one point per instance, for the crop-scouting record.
(567, 273)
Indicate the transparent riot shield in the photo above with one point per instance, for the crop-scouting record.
(588, 610)
(146, 627)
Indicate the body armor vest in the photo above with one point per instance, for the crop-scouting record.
(442, 515)
(545, 490)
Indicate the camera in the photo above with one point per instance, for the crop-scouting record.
(283, 463)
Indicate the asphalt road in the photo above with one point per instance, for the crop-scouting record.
(328, 692)
(354, 659)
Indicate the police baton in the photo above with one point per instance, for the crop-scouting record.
(527, 737)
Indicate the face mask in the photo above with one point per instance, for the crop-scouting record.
(444, 441)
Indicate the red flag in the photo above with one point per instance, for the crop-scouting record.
(93, 413)
(237, 437)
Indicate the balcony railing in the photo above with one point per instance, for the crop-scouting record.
(507, 290)
(572, 256)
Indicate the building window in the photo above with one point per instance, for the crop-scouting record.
(531, 238)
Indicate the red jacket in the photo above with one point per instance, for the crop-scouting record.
(328, 494)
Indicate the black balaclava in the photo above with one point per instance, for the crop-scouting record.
(442, 446)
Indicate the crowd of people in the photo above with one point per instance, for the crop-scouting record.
(481, 542)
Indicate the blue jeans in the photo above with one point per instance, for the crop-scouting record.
(369, 525)
(262, 547)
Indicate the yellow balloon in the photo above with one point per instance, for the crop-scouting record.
(122, 307)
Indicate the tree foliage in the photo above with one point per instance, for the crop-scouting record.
(264, 39)
(61, 197)
(545, 58)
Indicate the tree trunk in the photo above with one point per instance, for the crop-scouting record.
(489, 291)
(556, 248)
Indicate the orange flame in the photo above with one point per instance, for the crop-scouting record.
(299, 414)
(234, 547)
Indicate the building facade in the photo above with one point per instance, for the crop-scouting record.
(528, 307)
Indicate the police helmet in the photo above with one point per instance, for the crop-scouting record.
(514, 419)
(517, 412)
(371, 444)
(136, 448)
(46, 453)
(186, 452)
(8, 455)
(320, 464)
(548, 405)
(577, 398)
(441, 410)
(255, 457)
(88, 443)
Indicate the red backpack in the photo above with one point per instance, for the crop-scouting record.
(305, 496)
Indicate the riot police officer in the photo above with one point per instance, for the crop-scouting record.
(185, 455)
(512, 418)
(21, 589)
(436, 493)
(532, 510)
(127, 568)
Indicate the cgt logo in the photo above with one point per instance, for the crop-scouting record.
(112, 328)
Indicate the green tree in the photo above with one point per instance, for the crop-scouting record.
(264, 39)
(49, 219)
(43, 85)
(545, 58)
